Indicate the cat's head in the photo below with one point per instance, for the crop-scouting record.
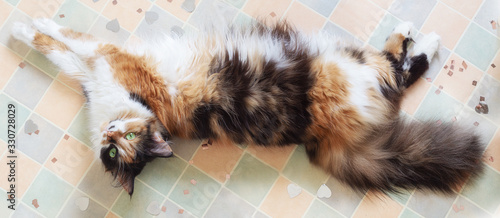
(128, 144)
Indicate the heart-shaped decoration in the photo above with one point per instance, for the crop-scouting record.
(30, 127)
(113, 26)
(293, 190)
(151, 17)
(82, 203)
(188, 5)
(153, 208)
(324, 192)
(178, 31)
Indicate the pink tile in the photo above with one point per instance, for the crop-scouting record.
(9, 62)
(126, 12)
(492, 154)
(96, 5)
(60, 104)
(274, 156)
(217, 160)
(279, 204)
(414, 95)
(175, 8)
(71, 82)
(38, 9)
(456, 80)
(5, 10)
(70, 160)
(447, 23)
(358, 17)
(265, 9)
(377, 205)
(304, 18)
(466, 7)
(26, 170)
(494, 68)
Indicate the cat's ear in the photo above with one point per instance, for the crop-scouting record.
(160, 147)
(127, 181)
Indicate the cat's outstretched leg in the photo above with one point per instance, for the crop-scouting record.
(396, 44)
(423, 52)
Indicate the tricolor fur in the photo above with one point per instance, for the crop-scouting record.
(265, 85)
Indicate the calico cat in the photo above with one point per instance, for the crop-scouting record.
(265, 85)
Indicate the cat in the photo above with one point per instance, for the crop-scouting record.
(265, 85)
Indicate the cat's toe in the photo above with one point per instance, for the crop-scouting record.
(428, 45)
(407, 29)
(23, 32)
(46, 26)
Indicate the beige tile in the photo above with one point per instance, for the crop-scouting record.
(218, 160)
(9, 62)
(60, 104)
(70, 160)
(304, 18)
(126, 12)
(358, 17)
(466, 7)
(447, 23)
(279, 204)
(414, 95)
(96, 5)
(274, 156)
(385, 4)
(71, 82)
(111, 215)
(494, 71)
(377, 205)
(492, 154)
(265, 9)
(26, 170)
(459, 84)
(38, 9)
(175, 8)
(5, 10)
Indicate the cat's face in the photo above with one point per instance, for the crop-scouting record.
(128, 144)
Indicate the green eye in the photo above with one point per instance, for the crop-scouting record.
(112, 152)
(130, 136)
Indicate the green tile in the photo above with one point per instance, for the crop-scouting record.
(463, 208)
(478, 46)
(76, 16)
(407, 213)
(39, 60)
(162, 173)
(485, 191)
(319, 210)
(228, 204)
(71, 209)
(100, 185)
(13, 2)
(344, 199)
(4, 205)
(136, 205)
(300, 171)
(236, 3)
(80, 127)
(28, 85)
(199, 196)
(21, 115)
(184, 148)
(401, 197)
(438, 107)
(23, 211)
(429, 204)
(252, 179)
(383, 31)
(243, 19)
(323, 7)
(50, 192)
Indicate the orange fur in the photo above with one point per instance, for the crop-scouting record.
(45, 44)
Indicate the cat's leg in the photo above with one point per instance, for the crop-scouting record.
(396, 44)
(423, 52)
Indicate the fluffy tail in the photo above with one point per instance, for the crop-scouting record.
(408, 154)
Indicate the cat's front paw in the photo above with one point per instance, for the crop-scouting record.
(47, 26)
(407, 29)
(23, 32)
(428, 45)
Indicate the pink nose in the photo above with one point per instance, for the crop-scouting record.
(110, 134)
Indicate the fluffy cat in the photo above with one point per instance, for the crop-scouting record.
(265, 85)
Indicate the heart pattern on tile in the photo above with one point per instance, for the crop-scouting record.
(113, 26)
(82, 203)
(178, 31)
(151, 17)
(324, 192)
(188, 5)
(153, 208)
(30, 127)
(293, 190)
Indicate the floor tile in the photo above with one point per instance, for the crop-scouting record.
(172, 210)
(457, 80)
(336, 31)
(488, 88)
(26, 170)
(41, 62)
(218, 160)
(264, 9)
(402, 197)
(76, 16)
(22, 114)
(304, 18)
(447, 23)
(323, 7)
(465, 7)
(464, 208)
(228, 204)
(358, 17)
(126, 12)
(319, 210)
(9, 63)
(414, 95)
(196, 198)
(37, 9)
(260, 214)
(60, 104)
(414, 11)
(80, 127)
(164, 24)
(485, 191)
(5, 37)
(300, 171)
(71, 209)
(136, 205)
(162, 173)
(100, 185)
(384, 30)
(279, 204)
(203, 16)
(23, 211)
(407, 213)
(274, 156)
(385, 4)
(97, 5)
(99, 30)
(430, 204)
(252, 179)
(378, 206)
(485, 128)
(175, 8)
(38, 138)
(13, 2)
(437, 62)
(49, 191)
(5, 204)
(70, 82)
(184, 148)
(492, 153)
(494, 68)
(478, 46)
(438, 105)
(28, 85)
(70, 160)
(488, 12)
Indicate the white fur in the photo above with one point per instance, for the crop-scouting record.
(428, 45)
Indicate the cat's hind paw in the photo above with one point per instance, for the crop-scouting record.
(47, 26)
(23, 32)
(407, 29)
(428, 45)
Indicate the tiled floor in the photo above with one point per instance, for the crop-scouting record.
(56, 173)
